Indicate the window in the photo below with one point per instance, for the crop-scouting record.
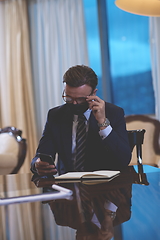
(129, 57)
(93, 41)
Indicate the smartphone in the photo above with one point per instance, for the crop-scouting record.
(46, 158)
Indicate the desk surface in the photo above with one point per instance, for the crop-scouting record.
(122, 208)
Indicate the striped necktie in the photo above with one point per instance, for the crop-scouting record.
(80, 143)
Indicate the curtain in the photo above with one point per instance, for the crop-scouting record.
(16, 94)
(28, 216)
(155, 60)
(17, 109)
(58, 41)
(54, 231)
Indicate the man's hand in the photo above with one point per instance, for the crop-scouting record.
(44, 168)
(97, 106)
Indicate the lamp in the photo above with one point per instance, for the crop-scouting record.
(140, 7)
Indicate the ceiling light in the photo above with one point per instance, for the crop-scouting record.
(140, 7)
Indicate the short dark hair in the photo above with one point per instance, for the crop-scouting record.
(79, 75)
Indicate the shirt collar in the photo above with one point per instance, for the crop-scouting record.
(86, 114)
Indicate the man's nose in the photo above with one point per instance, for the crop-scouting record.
(74, 102)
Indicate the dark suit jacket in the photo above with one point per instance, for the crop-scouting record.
(111, 153)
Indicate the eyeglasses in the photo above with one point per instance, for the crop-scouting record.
(69, 99)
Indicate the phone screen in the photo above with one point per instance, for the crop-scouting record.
(46, 158)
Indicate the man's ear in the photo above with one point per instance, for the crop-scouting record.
(94, 92)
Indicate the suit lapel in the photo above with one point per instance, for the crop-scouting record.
(66, 133)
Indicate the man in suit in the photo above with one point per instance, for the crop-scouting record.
(106, 145)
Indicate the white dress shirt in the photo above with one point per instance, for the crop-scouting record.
(103, 133)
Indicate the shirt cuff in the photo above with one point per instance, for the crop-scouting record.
(110, 206)
(105, 132)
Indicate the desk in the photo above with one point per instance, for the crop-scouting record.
(137, 213)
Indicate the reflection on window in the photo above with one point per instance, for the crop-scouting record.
(129, 56)
(130, 61)
(93, 41)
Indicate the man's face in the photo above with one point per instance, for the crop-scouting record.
(78, 94)
(76, 98)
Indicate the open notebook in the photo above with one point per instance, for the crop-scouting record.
(104, 175)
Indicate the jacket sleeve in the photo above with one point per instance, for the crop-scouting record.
(47, 144)
(117, 142)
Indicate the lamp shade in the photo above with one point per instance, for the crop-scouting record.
(140, 7)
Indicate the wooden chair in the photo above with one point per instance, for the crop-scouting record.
(12, 150)
(151, 148)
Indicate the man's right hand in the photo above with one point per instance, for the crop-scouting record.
(44, 168)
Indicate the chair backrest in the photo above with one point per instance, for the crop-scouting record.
(136, 138)
(12, 150)
(151, 149)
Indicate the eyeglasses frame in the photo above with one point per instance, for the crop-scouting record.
(74, 99)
